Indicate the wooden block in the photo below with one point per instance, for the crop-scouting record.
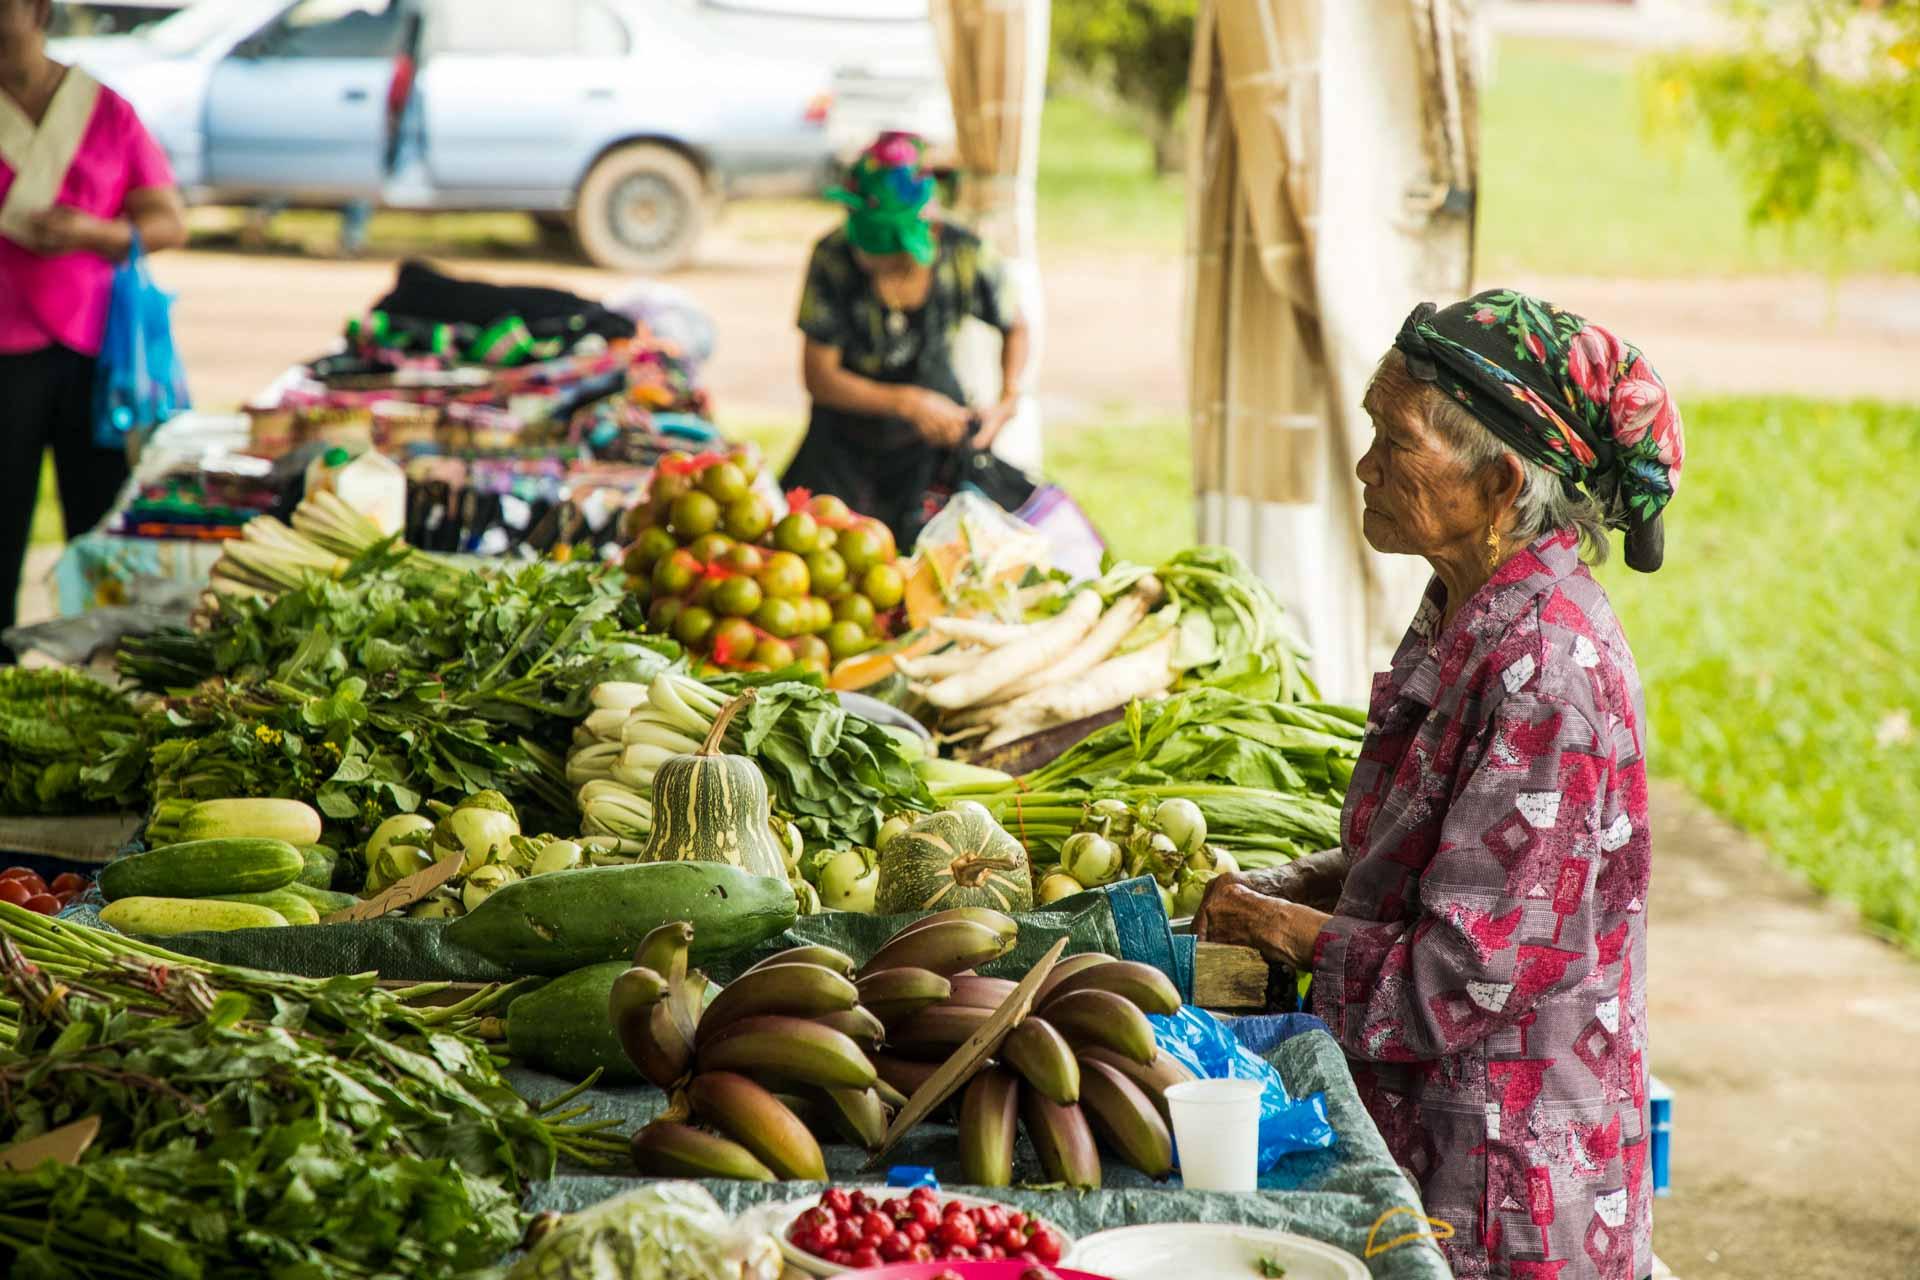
(1229, 977)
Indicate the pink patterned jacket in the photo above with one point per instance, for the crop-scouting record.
(1486, 967)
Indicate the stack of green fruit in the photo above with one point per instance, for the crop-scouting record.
(751, 588)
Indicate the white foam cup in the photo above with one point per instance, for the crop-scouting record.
(1216, 1130)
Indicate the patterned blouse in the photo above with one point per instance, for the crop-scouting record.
(1486, 967)
(839, 307)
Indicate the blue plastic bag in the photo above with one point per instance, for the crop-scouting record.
(140, 382)
(1205, 1046)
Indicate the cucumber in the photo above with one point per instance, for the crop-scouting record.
(288, 820)
(291, 906)
(203, 869)
(563, 1027)
(320, 862)
(565, 920)
(325, 901)
(163, 916)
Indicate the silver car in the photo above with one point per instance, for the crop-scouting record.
(628, 119)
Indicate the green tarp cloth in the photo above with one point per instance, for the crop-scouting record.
(420, 951)
(1334, 1195)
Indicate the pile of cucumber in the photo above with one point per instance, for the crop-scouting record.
(239, 864)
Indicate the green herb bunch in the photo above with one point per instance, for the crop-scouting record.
(55, 725)
(251, 1123)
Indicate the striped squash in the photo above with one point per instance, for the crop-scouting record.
(957, 858)
(712, 807)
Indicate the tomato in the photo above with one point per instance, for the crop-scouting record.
(836, 1201)
(895, 1208)
(839, 1257)
(45, 903)
(993, 1251)
(69, 882)
(826, 1234)
(1013, 1239)
(1016, 1219)
(915, 1233)
(876, 1226)
(20, 875)
(958, 1231)
(1045, 1246)
(861, 1203)
(927, 1214)
(865, 1258)
(12, 891)
(922, 1253)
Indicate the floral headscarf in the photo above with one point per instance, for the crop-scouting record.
(886, 190)
(1566, 394)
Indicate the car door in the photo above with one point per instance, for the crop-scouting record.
(299, 109)
(515, 95)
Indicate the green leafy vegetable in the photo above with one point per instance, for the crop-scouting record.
(1269, 1266)
(55, 726)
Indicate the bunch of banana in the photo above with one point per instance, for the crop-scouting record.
(1083, 1064)
(778, 1055)
(632, 729)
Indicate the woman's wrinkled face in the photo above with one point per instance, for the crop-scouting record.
(1420, 498)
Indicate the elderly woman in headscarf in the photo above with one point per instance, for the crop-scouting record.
(1478, 942)
(886, 295)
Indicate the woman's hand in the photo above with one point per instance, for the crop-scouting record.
(939, 420)
(1233, 911)
(64, 229)
(994, 420)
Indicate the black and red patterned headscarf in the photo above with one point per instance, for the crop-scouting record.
(1565, 393)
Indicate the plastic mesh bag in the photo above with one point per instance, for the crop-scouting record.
(663, 1231)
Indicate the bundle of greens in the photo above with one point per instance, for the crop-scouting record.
(405, 679)
(1229, 623)
(54, 727)
(1270, 777)
(251, 1123)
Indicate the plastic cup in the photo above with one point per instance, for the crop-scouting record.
(1216, 1132)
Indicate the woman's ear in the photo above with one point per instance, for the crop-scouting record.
(1500, 485)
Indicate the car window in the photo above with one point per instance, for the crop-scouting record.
(334, 29)
(552, 28)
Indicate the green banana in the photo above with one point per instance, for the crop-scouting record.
(655, 1043)
(665, 950)
(999, 921)
(755, 1119)
(888, 1094)
(634, 991)
(989, 1122)
(938, 1031)
(1148, 988)
(980, 993)
(893, 994)
(1066, 968)
(903, 1075)
(826, 957)
(1062, 1140)
(946, 948)
(859, 1115)
(1038, 1051)
(856, 1024)
(790, 1048)
(1152, 1078)
(796, 990)
(1125, 1117)
(1104, 1019)
(665, 1149)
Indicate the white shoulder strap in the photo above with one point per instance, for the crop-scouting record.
(40, 157)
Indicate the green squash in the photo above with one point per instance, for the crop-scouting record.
(958, 858)
(712, 807)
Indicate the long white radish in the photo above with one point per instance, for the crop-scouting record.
(1046, 644)
(1114, 683)
(1096, 646)
(981, 630)
(938, 666)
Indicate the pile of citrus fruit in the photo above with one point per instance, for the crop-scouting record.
(752, 587)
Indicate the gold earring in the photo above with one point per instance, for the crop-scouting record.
(1493, 549)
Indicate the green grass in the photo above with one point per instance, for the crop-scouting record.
(1777, 645)
(1097, 187)
(1572, 181)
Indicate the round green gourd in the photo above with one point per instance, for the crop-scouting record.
(712, 807)
(957, 858)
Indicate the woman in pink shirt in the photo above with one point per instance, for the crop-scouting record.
(79, 176)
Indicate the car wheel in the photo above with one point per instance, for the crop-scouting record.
(642, 208)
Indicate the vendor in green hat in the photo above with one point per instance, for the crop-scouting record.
(886, 296)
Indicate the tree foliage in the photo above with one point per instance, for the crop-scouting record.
(1140, 50)
(1818, 106)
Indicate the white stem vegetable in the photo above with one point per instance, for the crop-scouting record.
(606, 723)
(1096, 646)
(665, 697)
(1045, 645)
(650, 727)
(619, 695)
(981, 630)
(938, 666)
